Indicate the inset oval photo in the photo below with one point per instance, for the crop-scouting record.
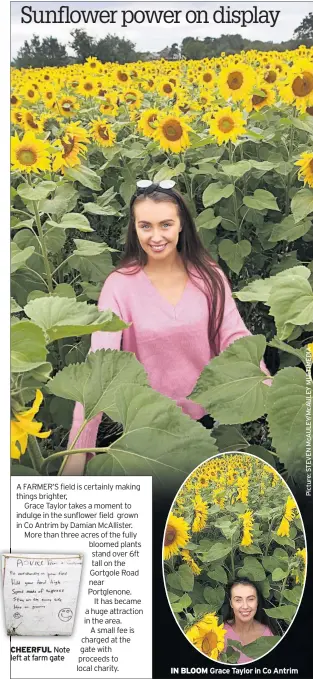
(234, 554)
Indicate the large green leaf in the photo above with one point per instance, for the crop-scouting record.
(217, 573)
(293, 595)
(252, 568)
(234, 253)
(282, 612)
(215, 192)
(63, 201)
(65, 317)
(92, 259)
(259, 290)
(158, 438)
(260, 646)
(95, 382)
(236, 169)
(186, 578)
(302, 204)
(289, 230)
(95, 209)
(73, 220)
(54, 238)
(207, 220)
(28, 348)
(38, 192)
(214, 596)
(286, 407)
(217, 551)
(84, 175)
(20, 257)
(21, 470)
(291, 303)
(231, 387)
(181, 604)
(260, 200)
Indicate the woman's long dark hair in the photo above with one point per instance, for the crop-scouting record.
(260, 615)
(192, 252)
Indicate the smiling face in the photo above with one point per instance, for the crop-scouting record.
(244, 602)
(65, 614)
(157, 227)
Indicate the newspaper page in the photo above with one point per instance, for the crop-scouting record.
(156, 502)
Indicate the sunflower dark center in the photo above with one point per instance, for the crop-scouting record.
(209, 643)
(207, 77)
(68, 146)
(226, 124)
(257, 99)
(103, 132)
(31, 122)
(26, 156)
(167, 88)
(14, 99)
(172, 130)
(235, 80)
(31, 93)
(152, 119)
(170, 536)
(49, 95)
(303, 85)
(270, 77)
(88, 87)
(122, 76)
(67, 105)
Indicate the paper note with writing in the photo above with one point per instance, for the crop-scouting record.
(40, 593)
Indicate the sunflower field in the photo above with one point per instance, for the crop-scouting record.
(235, 133)
(233, 517)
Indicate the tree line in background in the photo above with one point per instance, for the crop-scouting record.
(50, 52)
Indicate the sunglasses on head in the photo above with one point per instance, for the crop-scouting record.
(164, 184)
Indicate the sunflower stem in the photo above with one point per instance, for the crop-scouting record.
(43, 247)
(290, 149)
(61, 453)
(34, 452)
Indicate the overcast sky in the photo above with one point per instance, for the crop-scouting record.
(155, 37)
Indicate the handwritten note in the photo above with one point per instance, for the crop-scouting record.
(40, 593)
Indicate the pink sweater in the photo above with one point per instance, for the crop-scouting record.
(170, 342)
(231, 634)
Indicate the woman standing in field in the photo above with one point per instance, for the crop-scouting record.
(245, 620)
(175, 296)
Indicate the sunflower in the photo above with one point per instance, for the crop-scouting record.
(49, 97)
(305, 162)
(207, 79)
(201, 514)
(247, 521)
(29, 154)
(30, 121)
(297, 88)
(176, 536)
(263, 96)
(67, 106)
(236, 81)
(208, 636)
(109, 105)
(23, 426)
(172, 133)
(148, 122)
(122, 77)
(17, 116)
(166, 88)
(132, 98)
(70, 147)
(190, 561)
(309, 347)
(30, 93)
(87, 87)
(15, 100)
(227, 125)
(103, 133)
(93, 64)
(283, 528)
